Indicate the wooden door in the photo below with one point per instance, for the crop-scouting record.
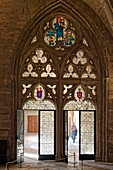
(33, 124)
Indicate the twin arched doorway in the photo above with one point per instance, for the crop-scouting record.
(60, 57)
(36, 129)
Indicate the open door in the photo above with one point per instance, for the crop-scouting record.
(20, 136)
(65, 123)
(47, 134)
(87, 135)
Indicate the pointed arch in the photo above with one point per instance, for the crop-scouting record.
(90, 39)
(90, 30)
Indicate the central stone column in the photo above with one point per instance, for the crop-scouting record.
(59, 124)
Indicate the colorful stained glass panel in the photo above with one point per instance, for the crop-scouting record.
(59, 33)
(39, 93)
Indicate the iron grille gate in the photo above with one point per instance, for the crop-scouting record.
(47, 134)
(87, 137)
(87, 134)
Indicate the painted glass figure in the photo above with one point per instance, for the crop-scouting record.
(60, 33)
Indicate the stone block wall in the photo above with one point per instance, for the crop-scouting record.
(15, 15)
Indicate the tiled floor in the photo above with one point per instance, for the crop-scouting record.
(31, 162)
(46, 165)
(31, 147)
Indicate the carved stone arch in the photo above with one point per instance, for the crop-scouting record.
(61, 6)
(94, 36)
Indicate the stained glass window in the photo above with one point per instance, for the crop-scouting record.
(44, 64)
(59, 33)
(39, 92)
(79, 93)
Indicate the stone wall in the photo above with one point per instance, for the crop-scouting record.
(15, 16)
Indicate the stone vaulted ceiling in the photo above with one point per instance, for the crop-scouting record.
(104, 9)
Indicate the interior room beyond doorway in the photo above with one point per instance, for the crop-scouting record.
(31, 134)
(73, 147)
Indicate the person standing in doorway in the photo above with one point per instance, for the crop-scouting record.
(73, 132)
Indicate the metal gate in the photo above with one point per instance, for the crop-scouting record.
(47, 134)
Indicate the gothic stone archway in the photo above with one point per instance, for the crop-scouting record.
(58, 65)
